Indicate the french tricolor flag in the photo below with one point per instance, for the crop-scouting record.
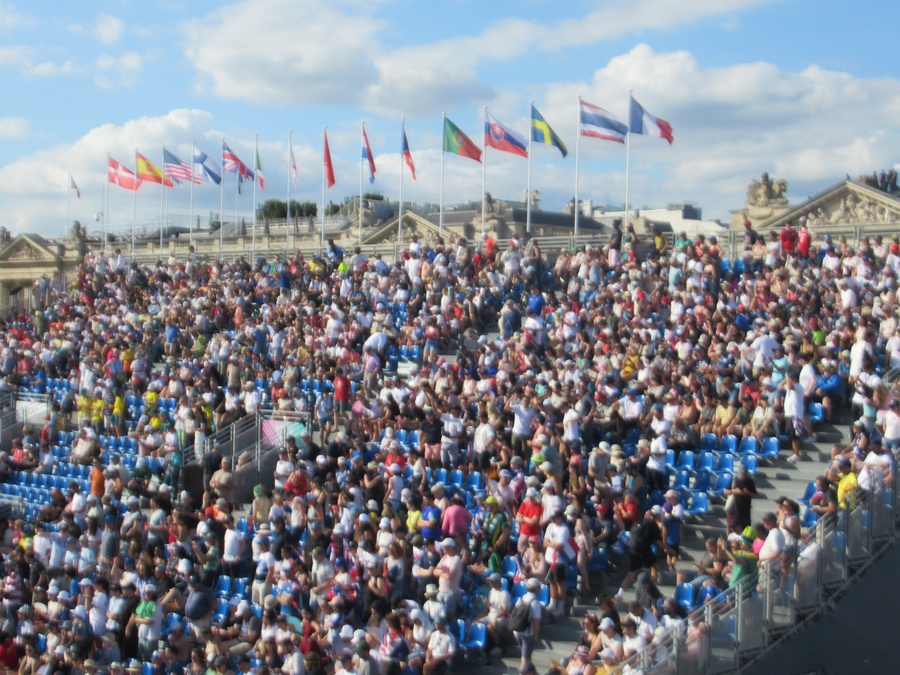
(642, 122)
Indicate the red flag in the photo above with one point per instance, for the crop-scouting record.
(329, 167)
(407, 155)
(121, 176)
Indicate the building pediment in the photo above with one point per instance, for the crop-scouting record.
(846, 203)
(413, 224)
(28, 248)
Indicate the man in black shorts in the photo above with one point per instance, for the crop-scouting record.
(640, 549)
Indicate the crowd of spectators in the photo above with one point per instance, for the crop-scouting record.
(480, 490)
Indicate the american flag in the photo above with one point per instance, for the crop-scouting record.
(231, 162)
(177, 170)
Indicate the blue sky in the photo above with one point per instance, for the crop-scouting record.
(806, 91)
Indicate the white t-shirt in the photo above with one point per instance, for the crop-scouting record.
(231, 545)
(557, 534)
(773, 547)
(523, 419)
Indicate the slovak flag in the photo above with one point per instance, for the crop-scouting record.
(367, 154)
(501, 137)
(642, 122)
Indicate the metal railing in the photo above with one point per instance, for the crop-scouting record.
(737, 627)
(239, 434)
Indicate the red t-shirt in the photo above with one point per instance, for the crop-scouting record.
(529, 509)
(341, 389)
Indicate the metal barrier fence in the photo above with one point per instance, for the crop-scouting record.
(236, 437)
(731, 242)
(736, 627)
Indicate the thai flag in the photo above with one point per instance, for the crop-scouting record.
(367, 154)
(596, 122)
(501, 137)
(642, 122)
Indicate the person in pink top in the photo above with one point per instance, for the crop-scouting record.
(456, 519)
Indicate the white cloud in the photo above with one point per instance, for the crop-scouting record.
(49, 68)
(108, 29)
(9, 18)
(14, 127)
(304, 51)
(120, 70)
(33, 188)
(315, 51)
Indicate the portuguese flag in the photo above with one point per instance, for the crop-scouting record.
(458, 143)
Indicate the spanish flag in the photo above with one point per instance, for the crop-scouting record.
(147, 171)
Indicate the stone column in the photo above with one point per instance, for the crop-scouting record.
(4, 295)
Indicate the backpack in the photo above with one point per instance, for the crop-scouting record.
(520, 617)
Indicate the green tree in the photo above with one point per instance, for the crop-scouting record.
(274, 209)
(374, 196)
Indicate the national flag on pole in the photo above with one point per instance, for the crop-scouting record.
(177, 170)
(407, 155)
(121, 176)
(205, 166)
(500, 137)
(259, 173)
(231, 162)
(642, 122)
(367, 154)
(329, 167)
(294, 177)
(72, 186)
(458, 143)
(596, 122)
(149, 172)
(542, 133)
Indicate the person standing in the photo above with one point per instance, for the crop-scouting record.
(528, 637)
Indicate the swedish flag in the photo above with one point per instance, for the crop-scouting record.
(542, 133)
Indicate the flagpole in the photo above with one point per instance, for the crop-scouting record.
(255, 181)
(191, 212)
(162, 195)
(222, 204)
(362, 142)
(106, 208)
(237, 194)
(134, 207)
(577, 152)
(68, 203)
(528, 188)
(400, 208)
(483, 172)
(290, 177)
(628, 155)
(443, 152)
(322, 241)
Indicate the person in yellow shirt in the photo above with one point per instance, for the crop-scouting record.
(118, 412)
(848, 485)
(127, 357)
(84, 403)
(414, 514)
(98, 405)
